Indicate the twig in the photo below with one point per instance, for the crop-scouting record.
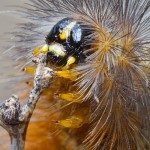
(16, 120)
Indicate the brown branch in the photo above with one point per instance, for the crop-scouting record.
(14, 119)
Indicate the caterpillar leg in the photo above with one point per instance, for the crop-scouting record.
(72, 122)
(70, 97)
(71, 60)
(39, 50)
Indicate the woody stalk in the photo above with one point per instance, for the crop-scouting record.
(15, 119)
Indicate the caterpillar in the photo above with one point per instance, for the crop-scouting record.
(100, 50)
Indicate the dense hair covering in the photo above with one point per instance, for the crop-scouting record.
(115, 75)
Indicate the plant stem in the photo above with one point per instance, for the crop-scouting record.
(16, 120)
(17, 141)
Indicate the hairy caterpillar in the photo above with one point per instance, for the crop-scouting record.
(107, 93)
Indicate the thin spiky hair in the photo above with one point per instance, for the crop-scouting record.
(116, 74)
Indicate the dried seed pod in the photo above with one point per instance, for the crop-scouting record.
(10, 110)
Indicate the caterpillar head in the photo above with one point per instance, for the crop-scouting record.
(66, 42)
